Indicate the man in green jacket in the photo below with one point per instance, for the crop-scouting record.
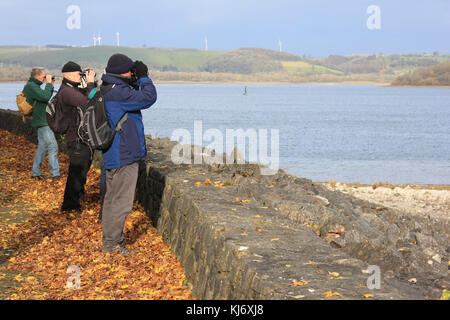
(46, 138)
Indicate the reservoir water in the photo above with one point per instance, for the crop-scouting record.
(351, 133)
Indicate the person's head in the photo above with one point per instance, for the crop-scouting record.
(120, 64)
(72, 71)
(38, 73)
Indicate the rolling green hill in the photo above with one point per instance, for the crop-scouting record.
(159, 59)
(248, 61)
(245, 64)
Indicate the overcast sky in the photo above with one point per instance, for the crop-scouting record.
(311, 27)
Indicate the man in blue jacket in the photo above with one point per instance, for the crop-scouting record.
(126, 98)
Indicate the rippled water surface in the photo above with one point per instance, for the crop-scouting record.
(346, 133)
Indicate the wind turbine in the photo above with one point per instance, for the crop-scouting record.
(280, 45)
(117, 36)
(95, 40)
(206, 43)
(99, 38)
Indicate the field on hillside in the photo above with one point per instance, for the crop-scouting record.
(239, 65)
(173, 59)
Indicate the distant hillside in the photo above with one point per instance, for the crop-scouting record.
(393, 64)
(158, 58)
(241, 65)
(248, 61)
(437, 75)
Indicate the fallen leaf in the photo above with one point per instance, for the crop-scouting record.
(299, 283)
(19, 278)
(332, 294)
(445, 294)
(334, 274)
(311, 262)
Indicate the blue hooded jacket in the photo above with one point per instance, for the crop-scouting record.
(129, 144)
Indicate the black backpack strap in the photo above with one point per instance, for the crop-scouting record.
(107, 88)
(121, 121)
(124, 117)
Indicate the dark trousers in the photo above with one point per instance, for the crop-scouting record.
(118, 202)
(80, 162)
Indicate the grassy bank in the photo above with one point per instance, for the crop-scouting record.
(244, 65)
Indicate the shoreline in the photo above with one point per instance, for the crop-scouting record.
(415, 200)
(388, 185)
(244, 83)
(412, 86)
(380, 84)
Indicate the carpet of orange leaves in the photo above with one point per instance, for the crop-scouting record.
(47, 242)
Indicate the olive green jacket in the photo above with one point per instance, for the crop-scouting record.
(34, 93)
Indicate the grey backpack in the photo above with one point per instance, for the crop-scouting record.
(93, 126)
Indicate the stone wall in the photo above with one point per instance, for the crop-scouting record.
(241, 235)
(12, 122)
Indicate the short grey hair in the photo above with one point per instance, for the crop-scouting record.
(37, 71)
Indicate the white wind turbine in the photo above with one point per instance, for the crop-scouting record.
(95, 40)
(206, 43)
(280, 45)
(99, 39)
(117, 36)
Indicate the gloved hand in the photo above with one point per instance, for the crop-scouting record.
(140, 69)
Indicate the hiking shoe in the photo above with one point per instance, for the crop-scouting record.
(38, 177)
(71, 209)
(120, 249)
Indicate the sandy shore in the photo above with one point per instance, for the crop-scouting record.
(430, 200)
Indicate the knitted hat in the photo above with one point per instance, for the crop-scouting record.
(71, 67)
(119, 63)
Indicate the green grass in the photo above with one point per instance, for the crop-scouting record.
(307, 67)
(181, 59)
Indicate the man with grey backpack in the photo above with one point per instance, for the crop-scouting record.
(71, 95)
(130, 91)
